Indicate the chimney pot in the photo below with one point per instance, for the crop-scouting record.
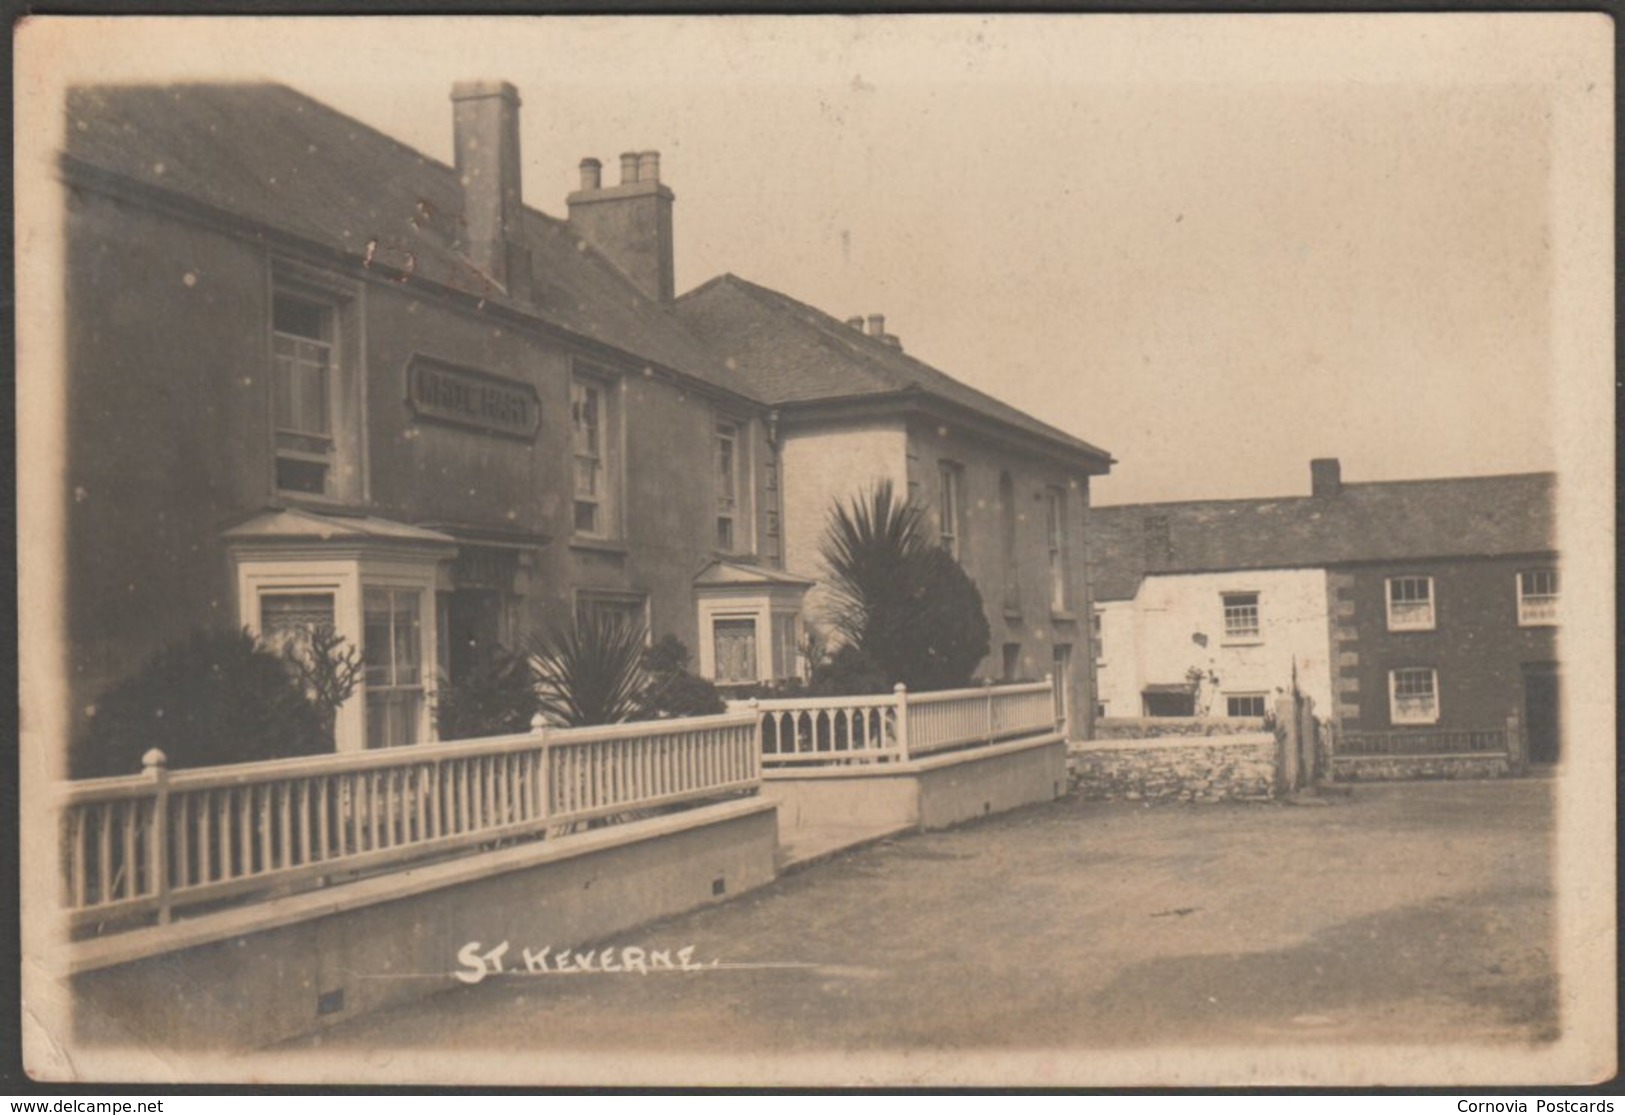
(629, 167)
(592, 174)
(856, 322)
(1325, 476)
(877, 325)
(649, 166)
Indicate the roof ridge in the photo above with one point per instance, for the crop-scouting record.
(1347, 484)
(833, 327)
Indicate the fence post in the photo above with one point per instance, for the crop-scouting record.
(987, 684)
(155, 765)
(901, 692)
(1517, 754)
(758, 737)
(1055, 704)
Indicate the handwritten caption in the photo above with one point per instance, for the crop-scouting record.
(478, 962)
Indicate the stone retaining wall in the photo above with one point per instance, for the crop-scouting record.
(1177, 768)
(1406, 768)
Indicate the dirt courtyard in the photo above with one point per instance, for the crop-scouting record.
(1405, 914)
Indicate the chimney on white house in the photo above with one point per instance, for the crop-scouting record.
(485, 124)
(1325, 477)
(629, 223)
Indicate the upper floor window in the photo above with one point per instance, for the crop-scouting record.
(727, 481)
(1537, 598)
(1007, 533)
(1241, 616)
(591, 438)
(1413, 695)
(303, 349)
(1410, 603)
(772, 542)
(1055, 528)
(1097, 635)
(951, 506)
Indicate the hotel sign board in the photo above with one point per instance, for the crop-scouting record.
(477, 400)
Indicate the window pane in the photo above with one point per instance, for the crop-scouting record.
(735, 643)
(1241, 615)
(725, 533)
(287, 619)
(408, 639)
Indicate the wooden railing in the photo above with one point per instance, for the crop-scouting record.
(899, 726)
(1422, 741)
(147, 845)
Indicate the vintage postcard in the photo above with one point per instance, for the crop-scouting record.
(923, 550)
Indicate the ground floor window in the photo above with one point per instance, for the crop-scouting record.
(287, 619)
(734, 643)
(1244, 704)
(624, 609)
(786, 656)
(1413, 695)
(392, 647)
(1062, 675)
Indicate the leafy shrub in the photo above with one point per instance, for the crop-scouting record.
(496, 697)
(848, 672)
(899, 598)
(215, 697)
(670, 690)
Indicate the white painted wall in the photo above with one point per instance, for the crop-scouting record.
(819, 468)
(1176, 622)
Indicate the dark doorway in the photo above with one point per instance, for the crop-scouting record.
(473, 625)
(1542, 703)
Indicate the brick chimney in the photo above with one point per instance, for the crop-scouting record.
(630, 223)
(485, 124)
(1325, 477)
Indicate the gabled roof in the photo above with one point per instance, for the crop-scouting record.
(792, 353)
(722, 572)
(269, 155)
(1405, 520)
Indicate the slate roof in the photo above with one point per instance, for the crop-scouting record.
(290, 524)
(791, 352)
(1406, 520)
(275, 157)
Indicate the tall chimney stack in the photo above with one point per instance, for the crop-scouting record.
(485, 122)
(1325, 477)
(630, 223)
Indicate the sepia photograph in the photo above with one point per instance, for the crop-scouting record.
(1037, 551)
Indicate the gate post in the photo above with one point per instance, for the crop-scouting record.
(1286, 746)
(1517, 751)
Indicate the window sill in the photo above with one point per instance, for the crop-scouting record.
(1410, 628)
(1256, 642)
(1537, 623)
(1063, 615)
(1012, 612)
(599, 545)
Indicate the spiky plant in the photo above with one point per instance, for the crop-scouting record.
(898, 597)
(590, 672)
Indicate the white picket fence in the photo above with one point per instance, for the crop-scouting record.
(144, 846)
(899, 726)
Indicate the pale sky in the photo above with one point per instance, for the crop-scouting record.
(1216, 246)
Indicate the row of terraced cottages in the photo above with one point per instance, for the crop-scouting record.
(318, 377)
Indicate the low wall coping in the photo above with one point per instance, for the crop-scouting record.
(1163, 743)
(1430, 755)
(75, 957)
(914, 766)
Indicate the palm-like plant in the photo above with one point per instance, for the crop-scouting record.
(590, 672)
(898, 597)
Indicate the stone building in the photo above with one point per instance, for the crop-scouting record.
(317, 376)
(1398, 605)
